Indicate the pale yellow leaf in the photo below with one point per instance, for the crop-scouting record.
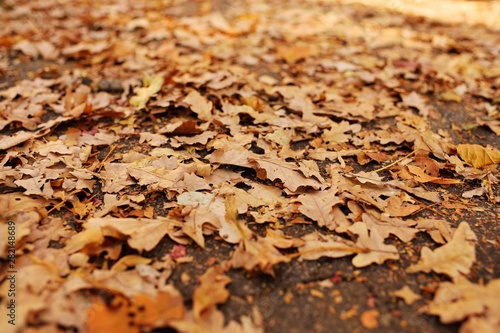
(143, 94)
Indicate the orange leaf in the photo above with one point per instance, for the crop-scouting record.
(104, 319)
(420, 176)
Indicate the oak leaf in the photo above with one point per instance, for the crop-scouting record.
(477, 155)
(453, 259)
(372, 244)
(287, 172)
(199, 105)
(479, 304)
(318, 206)
(211, 290)
(408, 295)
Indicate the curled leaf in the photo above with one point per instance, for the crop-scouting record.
(151, 87)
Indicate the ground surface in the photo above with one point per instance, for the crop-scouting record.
(249, 166)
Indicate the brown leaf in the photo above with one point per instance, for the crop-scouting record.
(477, 155)
(453, 259)
(287, 172)
(199, 105)
(318, 206)
(211, 290)
(408, 295)
(462, 299)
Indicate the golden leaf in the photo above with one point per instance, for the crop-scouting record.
(152, 86)
(477, 155)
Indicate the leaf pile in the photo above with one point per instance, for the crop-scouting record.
(245, 120)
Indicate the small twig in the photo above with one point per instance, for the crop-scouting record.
(101, 164)
(395, 162)
(429, 207)
(64, 201)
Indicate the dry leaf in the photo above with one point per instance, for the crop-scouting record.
(199, 105)
(462, 300)
(372, 244)
(369, 319)
(408, 295)
(453, 259)
(318, 206)
(211, 290)
(152, 86)
(477, 155)
(286, 172)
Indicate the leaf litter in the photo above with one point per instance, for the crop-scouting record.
(245, 122)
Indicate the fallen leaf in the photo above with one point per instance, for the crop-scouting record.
(462, 300)
(369, 319)
(453, 259)
(408, 295)
(211, 290)
(477, 155)
(151, 87)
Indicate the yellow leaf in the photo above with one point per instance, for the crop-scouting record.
(477, 155)
(130, 261)
(145, 93)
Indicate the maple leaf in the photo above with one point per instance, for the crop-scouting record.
(477, 155)
(152, 86)
(453, 259)
(210, 291)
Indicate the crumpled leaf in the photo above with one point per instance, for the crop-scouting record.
(143, 94)
(453, 259)
(211, 290)
(462, 299)
(477, 155)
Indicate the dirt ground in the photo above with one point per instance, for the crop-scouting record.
(327, 294)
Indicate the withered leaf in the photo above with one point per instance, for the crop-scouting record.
(286, 172)
(211, 290)
(479, 304)
(152, 86)
(477, 155)
(453, 259)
